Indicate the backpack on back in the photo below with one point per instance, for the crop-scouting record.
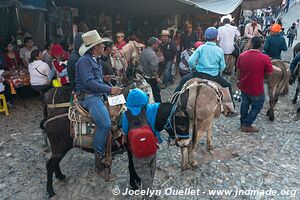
(142, 141)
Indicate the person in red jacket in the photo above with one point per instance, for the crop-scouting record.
(60, 62)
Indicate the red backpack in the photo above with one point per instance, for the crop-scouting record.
(141, 139)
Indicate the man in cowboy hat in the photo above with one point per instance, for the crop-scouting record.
(91, 90)
(227, 34)
(170, 53)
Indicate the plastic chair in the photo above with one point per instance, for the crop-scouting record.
(3, 104)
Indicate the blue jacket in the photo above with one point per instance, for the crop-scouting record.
(88, 76)
(73, 59)
(135, 101)
(295, 62)
(274, 45)
(208, 58)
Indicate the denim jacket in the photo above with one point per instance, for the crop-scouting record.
(89, 77)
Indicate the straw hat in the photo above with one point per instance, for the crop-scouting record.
(120, 35)
(165, 32)
(90, 39)
(228, 17)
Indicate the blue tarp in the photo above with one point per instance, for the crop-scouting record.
(28, 4)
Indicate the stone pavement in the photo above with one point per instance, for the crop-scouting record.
(268, 160)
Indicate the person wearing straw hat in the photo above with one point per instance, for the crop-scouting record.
(170, 54)
(91, 90)
(226, 36)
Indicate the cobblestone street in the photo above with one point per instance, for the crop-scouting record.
(268, 160)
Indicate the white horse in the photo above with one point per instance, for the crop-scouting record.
(129, 54)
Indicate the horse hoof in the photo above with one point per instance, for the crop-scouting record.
(51, 194)
(194, 163)
(61, 177)
(210, 147)
(271, 118)
(185, 167)
(294, 101)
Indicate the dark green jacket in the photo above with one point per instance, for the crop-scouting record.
(274, 45)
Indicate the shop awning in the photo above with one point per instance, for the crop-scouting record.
(27, 4)
(257, 4)
(217, 6)
(228, 6)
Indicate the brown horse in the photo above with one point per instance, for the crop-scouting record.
(130, 53)
(278, 84)
(202, 101)
(57, 127)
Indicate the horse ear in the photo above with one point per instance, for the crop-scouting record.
(139, 45)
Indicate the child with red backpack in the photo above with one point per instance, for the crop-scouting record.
(138, 124)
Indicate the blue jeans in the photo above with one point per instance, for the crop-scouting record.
(256, 103)
(168, 78)
(94, 104)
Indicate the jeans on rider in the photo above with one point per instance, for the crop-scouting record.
(249, 116)
(99, 113)
(168, 78)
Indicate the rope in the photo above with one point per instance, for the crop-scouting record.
(54, 118)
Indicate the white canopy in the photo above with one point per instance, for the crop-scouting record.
(228, 6)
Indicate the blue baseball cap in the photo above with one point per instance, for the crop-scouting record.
(211, 33)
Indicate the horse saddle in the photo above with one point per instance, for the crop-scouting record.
(223, 94)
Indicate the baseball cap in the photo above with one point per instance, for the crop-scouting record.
(211, 33)
(152, 40)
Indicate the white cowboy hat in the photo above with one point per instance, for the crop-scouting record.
(228, 17)
(165, 32)
(119, 34)
(91, 39)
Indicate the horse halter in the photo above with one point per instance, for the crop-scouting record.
(171, 124)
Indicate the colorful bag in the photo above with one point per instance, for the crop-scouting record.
(142, 141)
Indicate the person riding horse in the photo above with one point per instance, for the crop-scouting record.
(91, 90)
(227, 35)
(208, 62)
(275, 43)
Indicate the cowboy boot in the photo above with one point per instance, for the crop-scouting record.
(99, 167)
(103, 170)
(108, 175)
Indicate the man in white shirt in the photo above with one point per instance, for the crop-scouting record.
(227, 34)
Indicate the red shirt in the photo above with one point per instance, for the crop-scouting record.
(13, 63)
(120, 45)
(253, 66)
(59, 68)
